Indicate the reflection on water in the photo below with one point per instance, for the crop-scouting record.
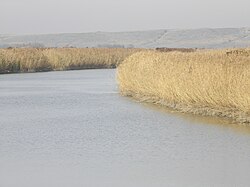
(202, 120)
(72, 128)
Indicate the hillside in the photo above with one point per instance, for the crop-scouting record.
(189, 38)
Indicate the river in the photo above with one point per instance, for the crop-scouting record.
(73, 129)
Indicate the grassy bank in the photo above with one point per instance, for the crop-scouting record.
(33, 60)
(206, 82)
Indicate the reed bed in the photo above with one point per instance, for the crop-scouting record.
(35, 60)
(205, 82)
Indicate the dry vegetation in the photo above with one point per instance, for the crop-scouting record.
(165, 49)
(33, 60)
(205, 82)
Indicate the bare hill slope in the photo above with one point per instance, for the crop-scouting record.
(194, 38)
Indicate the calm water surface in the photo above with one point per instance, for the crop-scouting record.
(73, 129)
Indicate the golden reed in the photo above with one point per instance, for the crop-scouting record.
(205, 82)
(32, 60)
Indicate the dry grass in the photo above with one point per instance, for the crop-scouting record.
(33, 60)
(206, 82)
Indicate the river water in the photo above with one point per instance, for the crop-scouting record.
(73, 129)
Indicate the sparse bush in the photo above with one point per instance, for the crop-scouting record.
(165, 49)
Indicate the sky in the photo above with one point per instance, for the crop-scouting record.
(78, 16)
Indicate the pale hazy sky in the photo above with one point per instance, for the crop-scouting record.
(74, 16)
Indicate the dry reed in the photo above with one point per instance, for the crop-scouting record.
(205, 82)
(33, 60)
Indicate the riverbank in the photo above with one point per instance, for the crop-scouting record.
(18, 60)
(205, 82)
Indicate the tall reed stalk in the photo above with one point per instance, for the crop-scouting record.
(206, 82)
